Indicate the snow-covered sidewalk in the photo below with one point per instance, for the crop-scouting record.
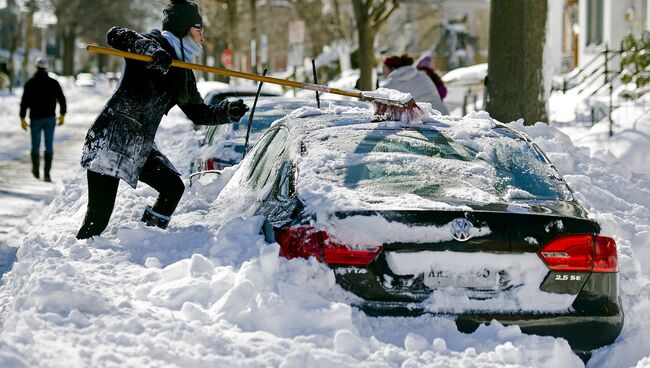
(23, 197)
(211, 292)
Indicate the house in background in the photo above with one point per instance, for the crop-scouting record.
(579, 29)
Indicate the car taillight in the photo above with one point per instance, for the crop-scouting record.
(305, 241)
(581, 253)
(214, 164)
(211, 164)
(605, 259)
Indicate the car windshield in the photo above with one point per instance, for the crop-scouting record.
(427, 164)
(266, 112)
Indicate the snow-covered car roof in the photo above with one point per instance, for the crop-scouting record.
(348, 162)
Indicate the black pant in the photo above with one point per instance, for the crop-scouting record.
(102, 190)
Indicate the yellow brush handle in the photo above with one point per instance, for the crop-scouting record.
(230, 73)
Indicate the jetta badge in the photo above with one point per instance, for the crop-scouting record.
(461, 229)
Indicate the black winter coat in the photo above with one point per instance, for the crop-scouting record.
(40, 96)
(122, 137)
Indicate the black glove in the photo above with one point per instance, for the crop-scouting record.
(161, 61)
(236, 109)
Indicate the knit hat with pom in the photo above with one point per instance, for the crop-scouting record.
(179, 16)
(395, 61)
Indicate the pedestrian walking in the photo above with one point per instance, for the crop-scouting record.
(402, 76)
(425, 65)
(120, 143)
(40, 95)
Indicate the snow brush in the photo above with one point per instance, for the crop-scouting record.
(389, 104)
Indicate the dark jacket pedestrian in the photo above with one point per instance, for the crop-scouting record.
(40, 95)
(120, 143)
(425, 65)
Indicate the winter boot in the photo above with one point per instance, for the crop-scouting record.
(36, 164)
(153, 218)
(48, 166)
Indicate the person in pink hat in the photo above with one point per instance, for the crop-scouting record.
(425, 65)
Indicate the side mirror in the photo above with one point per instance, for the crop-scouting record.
(204, 177)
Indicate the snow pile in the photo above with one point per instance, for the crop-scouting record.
(467, 75)
(620, 202)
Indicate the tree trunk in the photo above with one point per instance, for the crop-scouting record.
(101, 63)
(366, 56)
(14, 29)
(233, 39)
(69, 40)
(254, 67)
(515, 60)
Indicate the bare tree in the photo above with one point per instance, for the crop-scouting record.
(515, 61)
(232, 24)
(370, 15)
(32, 7)
(16, 36)
(90, 20)
(321, 32)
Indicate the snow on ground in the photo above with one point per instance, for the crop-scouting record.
(214, 293)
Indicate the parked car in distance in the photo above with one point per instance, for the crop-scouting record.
(84, 80)
(221, 91)
(223, 145)
(458, 217)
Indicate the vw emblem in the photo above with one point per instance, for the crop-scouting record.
(461, 229)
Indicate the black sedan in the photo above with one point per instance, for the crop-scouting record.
(460, 217)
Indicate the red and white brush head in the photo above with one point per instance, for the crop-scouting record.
(393, 105)
(410, 112)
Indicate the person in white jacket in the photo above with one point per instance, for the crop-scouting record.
(404, 77)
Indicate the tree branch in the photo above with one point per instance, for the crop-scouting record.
(381, 20)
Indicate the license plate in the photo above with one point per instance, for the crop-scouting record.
(480, 279)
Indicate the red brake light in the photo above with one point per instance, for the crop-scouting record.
(606, 259)
(211, 164)
(305, 241)
(581, 253)
(214, 164)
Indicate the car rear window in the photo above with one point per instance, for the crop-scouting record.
(426, 163)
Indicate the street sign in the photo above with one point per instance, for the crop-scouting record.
(226, 58)
(264, 49)
(296, 54)
(253, 52)
(296, 32)
(296, 42)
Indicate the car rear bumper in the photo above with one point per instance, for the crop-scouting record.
(583, 332)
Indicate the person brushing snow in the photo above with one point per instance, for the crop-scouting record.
(120, 143)
(401, 75)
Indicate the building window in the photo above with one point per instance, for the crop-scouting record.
(594, 22)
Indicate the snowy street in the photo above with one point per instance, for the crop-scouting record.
(212, 292)
(23, 196)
